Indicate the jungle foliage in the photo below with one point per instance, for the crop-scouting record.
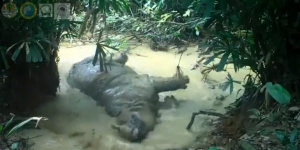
(258, 34)
(28, 49)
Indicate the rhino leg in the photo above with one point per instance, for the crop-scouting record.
(163, 84)
(115, 109)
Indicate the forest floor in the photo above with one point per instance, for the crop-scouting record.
(11, 142)
(265, 135)
(272, 132)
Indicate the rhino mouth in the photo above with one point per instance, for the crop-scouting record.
(134, 130)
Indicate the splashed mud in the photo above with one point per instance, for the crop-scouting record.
(75, 122)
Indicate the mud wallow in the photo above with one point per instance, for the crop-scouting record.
(129, 97)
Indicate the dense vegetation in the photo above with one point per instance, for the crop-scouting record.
(258, 34)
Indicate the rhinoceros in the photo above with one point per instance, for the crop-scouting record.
(129, 97)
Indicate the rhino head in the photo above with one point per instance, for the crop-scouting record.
(134, 129)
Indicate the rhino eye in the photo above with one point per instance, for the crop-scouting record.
(134, 116)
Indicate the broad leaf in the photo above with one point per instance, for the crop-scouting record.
(223, 62)
(281, 95)
(17, 52)
(280, 135)
(293, 135)
(96, 56)
(34, 54)
(209, 8)
(20, 125)
(8, 123)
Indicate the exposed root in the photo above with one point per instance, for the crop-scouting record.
(204, 113)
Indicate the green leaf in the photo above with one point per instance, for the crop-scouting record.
(124, 5)
(13, 46)
(102, 5)
(280, 135)
(96, 56)
(198, 6)
(213, 148)
(223, 62)
(115, 6)
(17, 52)
(293, 135)
(20, 125)
(281, 95)
(209, 7)
(8, 123)
(1, 127)
(34, 54)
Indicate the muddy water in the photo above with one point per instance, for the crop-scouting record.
(76, 123)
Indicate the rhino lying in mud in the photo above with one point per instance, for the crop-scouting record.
(131, 98)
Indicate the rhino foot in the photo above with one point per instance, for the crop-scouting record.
(169, 102)
(162, 84)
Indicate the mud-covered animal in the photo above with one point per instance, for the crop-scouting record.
(158, 45)
(121, 58)
(131, 98)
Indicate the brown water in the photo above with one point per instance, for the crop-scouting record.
(76, 123)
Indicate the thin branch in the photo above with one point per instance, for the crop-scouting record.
(204, 113)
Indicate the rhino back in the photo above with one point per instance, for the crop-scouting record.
(83, 74)
(128, 91)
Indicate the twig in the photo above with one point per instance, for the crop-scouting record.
(178, 23)
(140, 55)
(204, 113)
(180, 59)
(35, 137)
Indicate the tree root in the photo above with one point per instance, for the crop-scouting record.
(204, 113)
